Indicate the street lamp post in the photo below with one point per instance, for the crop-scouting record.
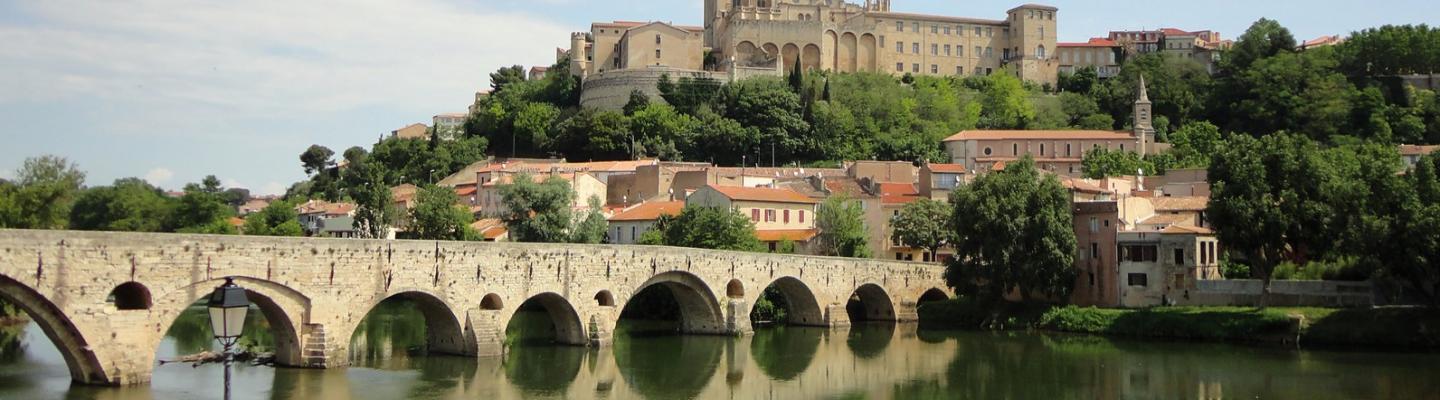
(228, 306)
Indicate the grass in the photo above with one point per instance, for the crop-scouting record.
(1397, 327)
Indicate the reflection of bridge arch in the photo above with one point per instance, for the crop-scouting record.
(874, 303)
(699, 309)
(82, 363)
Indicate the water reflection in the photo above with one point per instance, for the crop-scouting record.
(866, 361)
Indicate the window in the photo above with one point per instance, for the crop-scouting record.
(959, 51)
(657, 53)
(632, 233)
(900, 67)
(915, 68)
(934, 69)
(934, 49)
(989, 32)
(1042, 149)
(1067, 150)
(802, 216)
(978, 52)
(1107, 223)
(1014, 149)
(754, 215)
(915, 48)
(1122, 147)
(989, 71)
(1005, 54)
(787, 216)
(899, 26)
(947, 50)
(769, 215)
(1040, 51)
(657, 39)
(1094, 250)
(1138, 253)
(1094, 224)
(899, 47)
(947, 29)
(916, 26)
(989, 53)
(987, 151)
(1139, 280)
(977, 31)
(1005, 32)
(934, 29)
(1179, 256)
(959, 70)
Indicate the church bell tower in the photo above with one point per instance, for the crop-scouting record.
(1144, 129)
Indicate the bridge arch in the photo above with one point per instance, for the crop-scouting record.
(568, 329)
(932, 294)
(699, 309)
(284, 308)
(443, 333)
(803, 308)
(84, 366)
(870, 302)
(130, 296)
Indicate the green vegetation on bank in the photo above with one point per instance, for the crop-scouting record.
(1400, 327)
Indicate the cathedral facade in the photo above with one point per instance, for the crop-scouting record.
(742, 38)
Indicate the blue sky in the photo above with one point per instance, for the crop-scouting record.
(173, 90)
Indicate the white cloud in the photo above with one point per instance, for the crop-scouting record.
(159, 176)
(231, 183)
(194, 67)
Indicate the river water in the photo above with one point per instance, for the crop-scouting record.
(875, 361)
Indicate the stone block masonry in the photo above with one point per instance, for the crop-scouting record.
(107, 299)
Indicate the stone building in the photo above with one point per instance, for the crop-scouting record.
(627, 226)
(742, 38)
(1104, 55)
(1159, 268)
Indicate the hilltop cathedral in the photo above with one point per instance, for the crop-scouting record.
(742, 38)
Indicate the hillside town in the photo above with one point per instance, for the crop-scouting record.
(839, 168)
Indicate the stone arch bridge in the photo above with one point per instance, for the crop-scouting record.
(106, 299)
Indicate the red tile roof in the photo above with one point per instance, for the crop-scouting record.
(650, 211)
(794, 235)
(1414, 150)
(1173, 31)
(1039, 134)
(1094, 42)
(763, 194)
(1180, 203)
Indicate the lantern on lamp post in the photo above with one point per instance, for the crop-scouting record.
(228, 305)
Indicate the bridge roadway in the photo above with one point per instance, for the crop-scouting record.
(106, 299)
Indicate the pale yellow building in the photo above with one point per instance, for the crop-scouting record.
(627, 226)
(778, 214)
(1099, 53)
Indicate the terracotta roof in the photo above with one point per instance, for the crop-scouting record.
(319, 207)
(1094, 42)
(1180, 203)
(794, 235)
(1180, 229)
(948, 168)
(763, 194)
(650, 211)
(1082, 185)
(465, 190)
(898, 193)
(1321, 41)
(1173, 31)
(1039, 134)
(776, 172)
(490, 228)
(236, 222)
(1414, 150)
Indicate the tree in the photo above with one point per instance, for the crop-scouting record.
(659, 131)
(709, 228)
(375, 210)
(1083, 81)
(841, 222)
(277, 219)
(201, 210)
(1101, 163)
(45, 189)
(129, 204)
(1265, 38)
(594, 134)
(1194, 143)
(316, 159)
(439, 215)
(638, 101)
(544, 212)
(532, 126)
(1266, 201)
(924, 223)
(504, 77)
(1006, 104)
(1014, 232)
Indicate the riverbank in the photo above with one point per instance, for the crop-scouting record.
(1392, 327)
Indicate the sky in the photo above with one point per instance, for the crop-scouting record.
(173, 90)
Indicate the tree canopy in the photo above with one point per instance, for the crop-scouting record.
(841, 222)
(708, 228)
(1013, 232)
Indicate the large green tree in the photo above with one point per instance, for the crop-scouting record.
(544, 212)
(129, 204)
(439, 215)
(202, 210)
(709, 228)
(925, 224)
(1013, 232)
(45, 188)
(277, 219)
(1007, 104)
(841, 221)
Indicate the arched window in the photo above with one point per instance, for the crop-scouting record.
(605, 299)
(1040, 51)
(491, 302)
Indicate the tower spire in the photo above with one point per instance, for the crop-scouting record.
(1144, 95)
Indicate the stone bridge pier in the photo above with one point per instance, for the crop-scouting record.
(107, 299)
